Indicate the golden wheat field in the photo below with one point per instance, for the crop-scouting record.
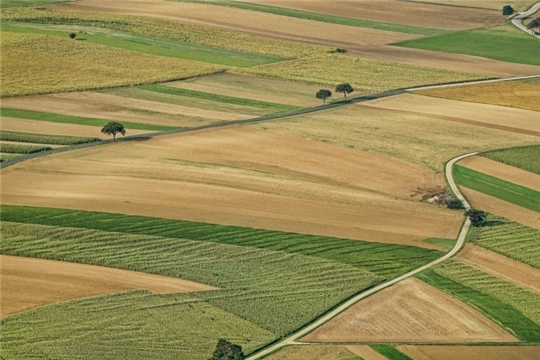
(463, 352)
(35, 64)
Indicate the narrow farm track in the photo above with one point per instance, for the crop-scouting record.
(518, 19)
(291, 340)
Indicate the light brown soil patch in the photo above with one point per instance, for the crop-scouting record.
(437, 352)
(105, 106)
(410, 311)
(29, 283)
(498, 117)
(365, 352)
(502, 208)
(399, 12)
(509, 93)
(518, 5)
(501, 266)
(244, 177)
(502, 171)
(312, 352)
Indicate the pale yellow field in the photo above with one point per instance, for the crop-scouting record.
(502, 171)
(518, 5)
(463, 352)
(421, 138)
(326, 352)
(398, 12)
(245, 177)
(509, 93)
(502, 267)
(29, 283)
(502, 208)
(36, 64)
(410, 311)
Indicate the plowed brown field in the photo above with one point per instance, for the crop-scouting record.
(393, 11)
(502, 208)
(505, 268)
(244, 177)
(502, 171)
(457, 352)
(519, 5)
(410, 311)
(29, 283)
(326, 352)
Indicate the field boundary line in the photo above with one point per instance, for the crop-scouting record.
(429, 87)
(292, 339)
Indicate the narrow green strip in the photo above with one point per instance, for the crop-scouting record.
(68, 119)
(501, 313)
(44, 139)
(501, 189)
(327, 18)
(390, 352)
(524, 157)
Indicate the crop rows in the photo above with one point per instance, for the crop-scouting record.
(36, 64)
(501, 313)
(511, 239)
(275, 290)
(22, 149)
(44, 139)
(364, 75)
(168, 30)
(387, 260)
(525, 157)
(522, 300)
(130, 325)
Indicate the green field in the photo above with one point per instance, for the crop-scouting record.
(387, 260)
(503, 314)
(22, 149)
(390, 352)
(68, 119)
(130, 325)
(327, 18)
(44, 139)
(505, 43)
(13, 3)
(510, 239)
(445, 243)
(504, 190)
(145, 44)
(525, 157)
(5, 157)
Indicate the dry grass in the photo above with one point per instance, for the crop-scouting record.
(463, 352)
(35, 64)
(410, 311)
(510, 93)
(243, 177)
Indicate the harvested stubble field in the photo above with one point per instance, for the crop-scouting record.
(509, 93)
(392, 11)
(524, 157)
(519, 5)
(30, 283)
(410, 311)
(490, 262)
(502, 171)
(34, 64)
(326, 352)
(245, 177)
(421, 138)
(464, 352)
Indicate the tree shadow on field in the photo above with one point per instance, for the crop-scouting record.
(138, 138)
(493, 223)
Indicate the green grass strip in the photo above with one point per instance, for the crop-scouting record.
(327, 18)
(525, 157)
(68, 119)
(44, 139)
(6, 157)
(387, 260)
(13, 3)
(22, 149)
(505, 315)
(501, 189)
(390, 352)
(445, 243)
(218, 98)
(518, 46)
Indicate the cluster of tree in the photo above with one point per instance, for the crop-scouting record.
(507, 10)
(477, 217)
(324, 94)
(226, 350)
(535, 26)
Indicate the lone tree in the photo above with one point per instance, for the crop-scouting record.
(323, 94)
(226, 350)
(113, 128)
(345, 89)
(72, 35)
(478, 217)
(535, 25)
(507, 10)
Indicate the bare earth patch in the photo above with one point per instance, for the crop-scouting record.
(502, 171)
(501, 266)
(399, 12)
(502, 208)
(461, 352)
(519, 5)
(245, 177)
(410, 311)
(29, 283)
(326, 352)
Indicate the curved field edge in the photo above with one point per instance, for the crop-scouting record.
(387, 260)
(130, 325)
(272, 289)
(524, 157)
